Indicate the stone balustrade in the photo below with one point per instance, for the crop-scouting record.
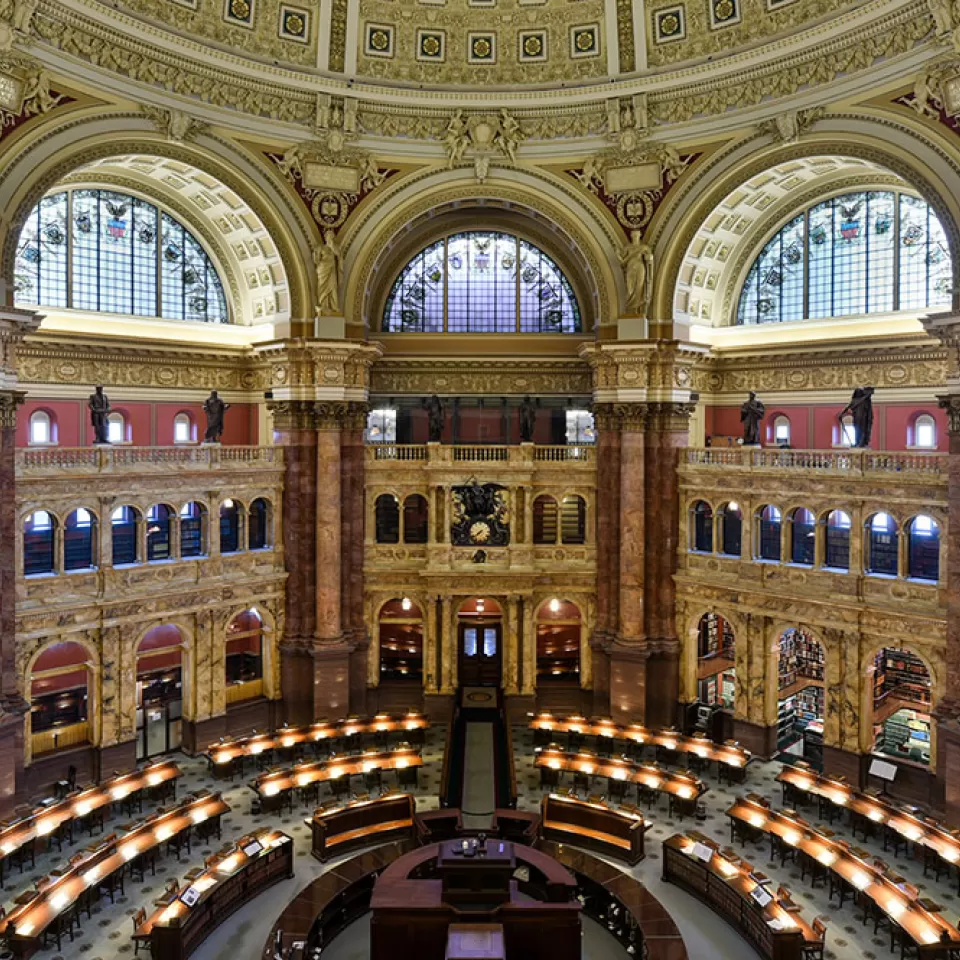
(108, 459)
(525, 453)
(845, 462)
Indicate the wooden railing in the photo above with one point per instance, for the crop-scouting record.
(57, 738)
(42, 461)
(248, 690)
(839, 462)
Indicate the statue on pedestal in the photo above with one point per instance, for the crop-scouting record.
(860, 408)
(435, 419)
(637, 260)
(751, 413)
(99, 411)
(326, 258)
(528, 420)
(214, 408)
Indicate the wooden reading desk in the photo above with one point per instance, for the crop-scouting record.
(270, 786)
(24, 926)
(683, 789)
(730, 757)
(901, 824)
(220, 755)
(929, 931)
(231, 878)
(618, 833)
(361, 823)
(19, 836)
(745, 899)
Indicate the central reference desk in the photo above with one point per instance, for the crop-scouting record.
(231, 879)
(418, 896)
(617, 833)
(362, 823)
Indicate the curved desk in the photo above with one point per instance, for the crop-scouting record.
(769, 921)
(641, 920)
(361, 823)
(617, 833)
(331, 903)
(230, 880)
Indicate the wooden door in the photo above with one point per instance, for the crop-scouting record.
(480, 654)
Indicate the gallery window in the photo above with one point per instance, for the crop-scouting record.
(781, 431)
(117, 428)
(183, 431)
(860, 253)
(41, 429)
(481, 281)
(925, 432)
(105, 251)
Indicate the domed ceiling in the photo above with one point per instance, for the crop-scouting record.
(565, 48)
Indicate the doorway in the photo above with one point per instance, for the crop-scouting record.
(159, 691)
(480, 643)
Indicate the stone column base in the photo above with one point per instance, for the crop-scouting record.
(628, 685)
(759, 740)
(517, 706)
(315, 679)
(240, 720)
(438, 707)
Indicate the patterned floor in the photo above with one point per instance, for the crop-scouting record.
(702, 930)
(106, 935)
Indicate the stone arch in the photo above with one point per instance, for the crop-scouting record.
(583, 240)
(83, 139)
(896, 146)
(270, 646)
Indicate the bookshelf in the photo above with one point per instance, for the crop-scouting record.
(716, 637)
(801, 658)
(901, 673)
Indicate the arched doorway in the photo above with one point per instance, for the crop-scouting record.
(60, 698)
(800, 698)
(479, 642)
(159, 691)
(401, 641)
(716, 661)
(558, 642)
(244, 656)
(901, 705)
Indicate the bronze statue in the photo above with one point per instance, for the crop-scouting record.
(860, 408)
(435, 419)
(751, 413)
(99, 411)
(214, 408)
(528, 420)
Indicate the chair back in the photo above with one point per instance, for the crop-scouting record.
(139, 918)
(819, 929)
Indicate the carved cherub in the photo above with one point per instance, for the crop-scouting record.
(509, 136)
(456, 139)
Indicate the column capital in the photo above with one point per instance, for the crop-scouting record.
(671, 415)
(319, 370)
(951, 404)
(946, 328)
(15, 324)
(9, 401)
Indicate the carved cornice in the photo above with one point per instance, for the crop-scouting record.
(843, 366)
(646, 371)
(317, 415)
(655, 416)
(506, 377)
(321, 367)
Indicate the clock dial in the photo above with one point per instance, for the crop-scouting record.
(480, 532)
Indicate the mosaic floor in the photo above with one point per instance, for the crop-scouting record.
(107, 935)
(708, 936)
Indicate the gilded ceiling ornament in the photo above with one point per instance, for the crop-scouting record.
(485, 135)
(790, 126)
(943, 16)
(24, 90)
(174, 124)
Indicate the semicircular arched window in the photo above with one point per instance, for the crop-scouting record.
(870, 252)
(109, 252)
(481, 282)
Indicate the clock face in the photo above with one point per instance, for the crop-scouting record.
(480, 532)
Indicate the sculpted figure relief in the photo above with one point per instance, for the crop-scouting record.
(637, 260)
(326, 258)
(455, 139)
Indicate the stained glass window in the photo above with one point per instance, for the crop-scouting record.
(868, 252)
(110, 252)
(481, 282)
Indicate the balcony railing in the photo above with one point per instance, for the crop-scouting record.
(46, 461)
(838, 462)
(481, 453)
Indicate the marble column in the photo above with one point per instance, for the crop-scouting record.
(947, 710)
(328, 524)
(511, 651)
(632, 522)
(447, 652)
(13, 707)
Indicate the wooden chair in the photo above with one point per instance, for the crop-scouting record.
(140, 938)
(814, 950)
